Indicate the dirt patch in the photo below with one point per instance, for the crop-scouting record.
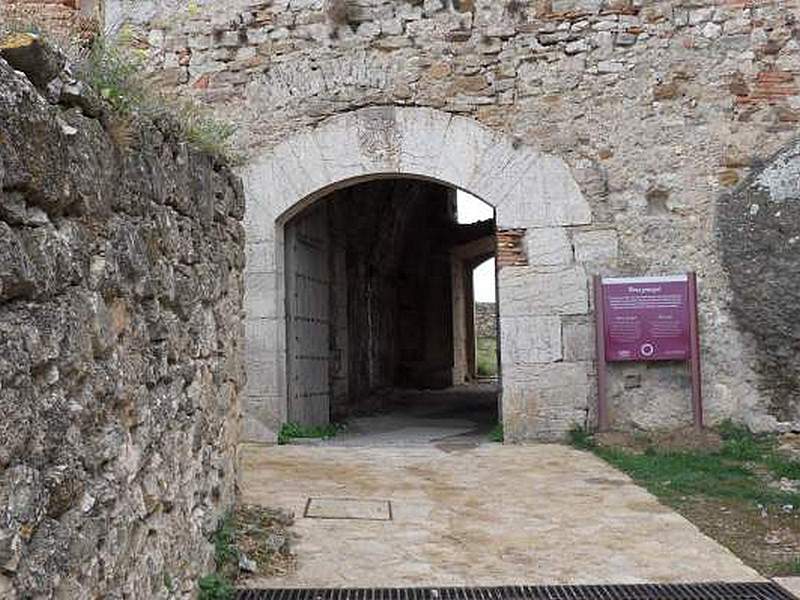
(767, 539)
(262, 540)
(686, 439)
(789, 443)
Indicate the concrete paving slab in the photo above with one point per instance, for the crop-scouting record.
(790, 584)
(483, 515)
(348, 508)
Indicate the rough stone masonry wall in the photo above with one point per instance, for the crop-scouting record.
(759, 226)
(120, 338)
(485, 319)
(658, 107)
(70, 22)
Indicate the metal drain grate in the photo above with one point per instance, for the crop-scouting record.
(694, 591)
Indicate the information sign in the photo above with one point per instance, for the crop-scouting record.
(646, 318)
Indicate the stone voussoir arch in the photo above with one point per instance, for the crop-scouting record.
(529, 190)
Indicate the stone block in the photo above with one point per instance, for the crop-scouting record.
(548, 246)
(260, 295)
(229, 39)
(545, 401)
(599, 247)
(260, 185)
(262, 336)
(430, 7)
(610, 66)
(392, 27)
(260, 257)
(578, 6)
(524, 291)
(264, 374)
(369, 29)
(542, 194)
(529, 340)
(421, 153)
(625, 39)
(262, 423)
(578, 338)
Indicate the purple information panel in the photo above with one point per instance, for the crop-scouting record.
(646, 318)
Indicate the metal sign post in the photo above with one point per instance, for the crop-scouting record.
(647, 319)
(600, 346)
(694, 336)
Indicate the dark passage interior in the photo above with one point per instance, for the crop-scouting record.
(379, 303)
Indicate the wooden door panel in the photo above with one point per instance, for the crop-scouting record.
(308, 317)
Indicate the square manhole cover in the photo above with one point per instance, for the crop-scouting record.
(348, 508)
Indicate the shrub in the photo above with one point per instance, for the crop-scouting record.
(215, 587)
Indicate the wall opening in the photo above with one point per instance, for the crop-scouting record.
(484, 285)
(380, 308)
(541, 281)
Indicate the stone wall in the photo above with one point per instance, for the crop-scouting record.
(657, 107)
(120, 340)
(485, 319)
(70, 23)
(759, 229)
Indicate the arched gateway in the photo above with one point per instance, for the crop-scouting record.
(542, 292)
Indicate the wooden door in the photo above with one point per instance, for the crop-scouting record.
(308, 317)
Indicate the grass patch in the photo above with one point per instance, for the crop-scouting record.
(735, 472)
(580, 438)
(486, 357)
(496, 434)
(169, 584)
(290, 431)
(672, 475)
(738, 443)
(789, 567)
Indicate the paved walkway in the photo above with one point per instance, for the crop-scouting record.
(482, 515)
(457, 417)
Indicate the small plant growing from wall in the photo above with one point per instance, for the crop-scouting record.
(118, 72)
(115, 67)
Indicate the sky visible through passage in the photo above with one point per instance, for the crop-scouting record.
(471, 209)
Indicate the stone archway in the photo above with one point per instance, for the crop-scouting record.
(543, 294)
